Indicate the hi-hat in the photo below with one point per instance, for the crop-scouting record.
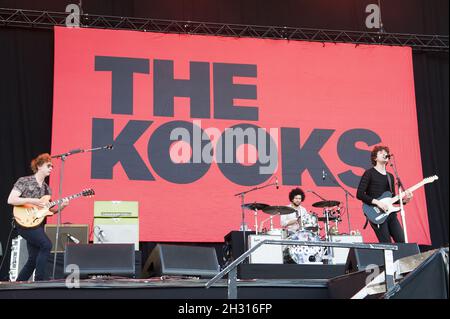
(255, 206)
(326, 203)
(281, 210)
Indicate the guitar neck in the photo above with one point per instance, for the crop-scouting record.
(59, 201)
(411, 189)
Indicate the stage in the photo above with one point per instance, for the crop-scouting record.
(166, 288)
(423, 276)
(158, 160)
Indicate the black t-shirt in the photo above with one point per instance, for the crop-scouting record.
(373, 184)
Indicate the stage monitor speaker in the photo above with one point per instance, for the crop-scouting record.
(176, 260)
(68, 234)
(428, 281)
(101, 259)
(358, 259)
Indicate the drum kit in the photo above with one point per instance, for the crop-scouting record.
(309, 229)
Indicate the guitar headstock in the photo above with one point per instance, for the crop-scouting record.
(88, 192)
(430, 179)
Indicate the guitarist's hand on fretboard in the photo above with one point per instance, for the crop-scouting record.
(408, 196)
(63, 205)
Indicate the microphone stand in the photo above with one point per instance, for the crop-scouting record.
(311, 191)
(400, 189)
(63, 158)
(330, 250)
(346, 201)
(325, 212)
(242, 195)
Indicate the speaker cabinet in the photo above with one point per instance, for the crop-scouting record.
(358, 259)
(234, 245)
(179, 260)
(101, 259)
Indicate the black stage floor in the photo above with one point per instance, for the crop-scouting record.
(166, 288)
(427, 279)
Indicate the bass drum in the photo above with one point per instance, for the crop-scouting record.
(305, 254)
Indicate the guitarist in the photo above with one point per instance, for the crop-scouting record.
(374, 182)
(29, 190)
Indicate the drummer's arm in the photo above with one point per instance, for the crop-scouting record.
(288, 222)
(291, 222)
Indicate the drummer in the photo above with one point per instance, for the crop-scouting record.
(292, 221)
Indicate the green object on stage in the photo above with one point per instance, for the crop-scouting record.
(108, 209)
(116, 222)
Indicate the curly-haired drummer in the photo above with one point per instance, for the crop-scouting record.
(291, 221)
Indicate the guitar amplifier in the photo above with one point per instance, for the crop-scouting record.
(265, 254)
(340, 254)
(68, 234)
(116, 222)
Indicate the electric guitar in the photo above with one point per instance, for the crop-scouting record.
(377, 215)
(30, 216)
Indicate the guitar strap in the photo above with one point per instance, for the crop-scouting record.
(367, 222)
(390, 184)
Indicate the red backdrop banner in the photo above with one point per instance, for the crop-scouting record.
(321, 108)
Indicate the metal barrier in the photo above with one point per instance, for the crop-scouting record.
(232, 268)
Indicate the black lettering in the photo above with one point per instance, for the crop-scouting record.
(225, 91)
(124, 151)
(122, 70)
(297, 159)
(165, 88)
(159, 155)
(353, 156)
(235, 171)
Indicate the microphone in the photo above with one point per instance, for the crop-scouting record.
(324, 174)
(387, 156)
(75, 240)
(276, 182)
(75, 151)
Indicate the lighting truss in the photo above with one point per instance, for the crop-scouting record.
(47, 19)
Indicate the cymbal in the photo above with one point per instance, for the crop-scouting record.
(255, 206)
(326, 203)
(282, 210)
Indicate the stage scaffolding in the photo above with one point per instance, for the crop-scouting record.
(47, 20)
